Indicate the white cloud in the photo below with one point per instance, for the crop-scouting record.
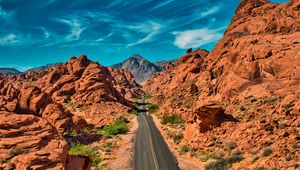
(150, 28)
(161, 4)
(197, 37)
(209, 11)
(9, 39)
(75, 28)
(106, 37)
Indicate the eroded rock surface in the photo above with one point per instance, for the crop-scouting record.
(253, 73)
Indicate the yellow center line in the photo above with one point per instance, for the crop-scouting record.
(151, 146)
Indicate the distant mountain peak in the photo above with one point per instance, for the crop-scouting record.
(12, 71)
(141, 68)
(137, 56)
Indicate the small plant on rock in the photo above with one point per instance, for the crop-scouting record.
(152, 108)
(267, 151)
(173, 119)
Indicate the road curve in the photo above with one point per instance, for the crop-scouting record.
(151, 151)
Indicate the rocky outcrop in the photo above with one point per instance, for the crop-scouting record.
(30, 142)
(39, 107)
(252, 73)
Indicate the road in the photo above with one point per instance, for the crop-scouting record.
(151, 151)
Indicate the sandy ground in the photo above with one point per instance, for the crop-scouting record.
(185, 162)
(123, 154)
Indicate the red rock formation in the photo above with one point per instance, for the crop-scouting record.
(253, 72)
(29, 142)
(38, 107)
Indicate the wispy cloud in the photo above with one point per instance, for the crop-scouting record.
(161, 4)
(104, 38)
(89, 42)
(76, 28)
(150, 28)
(197, 37)
(10, 39)
(46, 32)
(209, 11)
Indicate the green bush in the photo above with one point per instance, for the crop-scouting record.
(121, 120)
(242, 108)
(115, 129)
(118, 127)
(184, 149)
(133, 111)
(173, 119)
(152, 108)
(78, 149)
(177, 138)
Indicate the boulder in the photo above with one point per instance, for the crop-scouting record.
(29, 142)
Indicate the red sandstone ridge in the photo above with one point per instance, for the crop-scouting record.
(253, 73)
(38, 107)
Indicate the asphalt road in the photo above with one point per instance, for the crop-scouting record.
(151, 151)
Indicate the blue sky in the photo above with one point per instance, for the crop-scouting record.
(39, 32)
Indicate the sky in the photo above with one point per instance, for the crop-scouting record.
(39, 32)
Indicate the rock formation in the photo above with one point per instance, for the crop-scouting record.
(39, 107)
(253, 73)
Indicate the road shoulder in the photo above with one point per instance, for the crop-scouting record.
(185, 162)
(124, 153)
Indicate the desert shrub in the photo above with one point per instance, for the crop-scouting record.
(223, 163)
(152, 108)
(288, 106)
(15, 151)
(133, 111)
(242, 108)
(184, 149)
(108, 145)
(230, 145)
(118, 127)
(77, 149)
(121, 120)
(267, 151)
(177, 138)
(173, 119)
(115, 129)
(253, 100)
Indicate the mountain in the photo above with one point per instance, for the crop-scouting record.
(10, 71)
(141, 68)
(41, 67)
(243, 96)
